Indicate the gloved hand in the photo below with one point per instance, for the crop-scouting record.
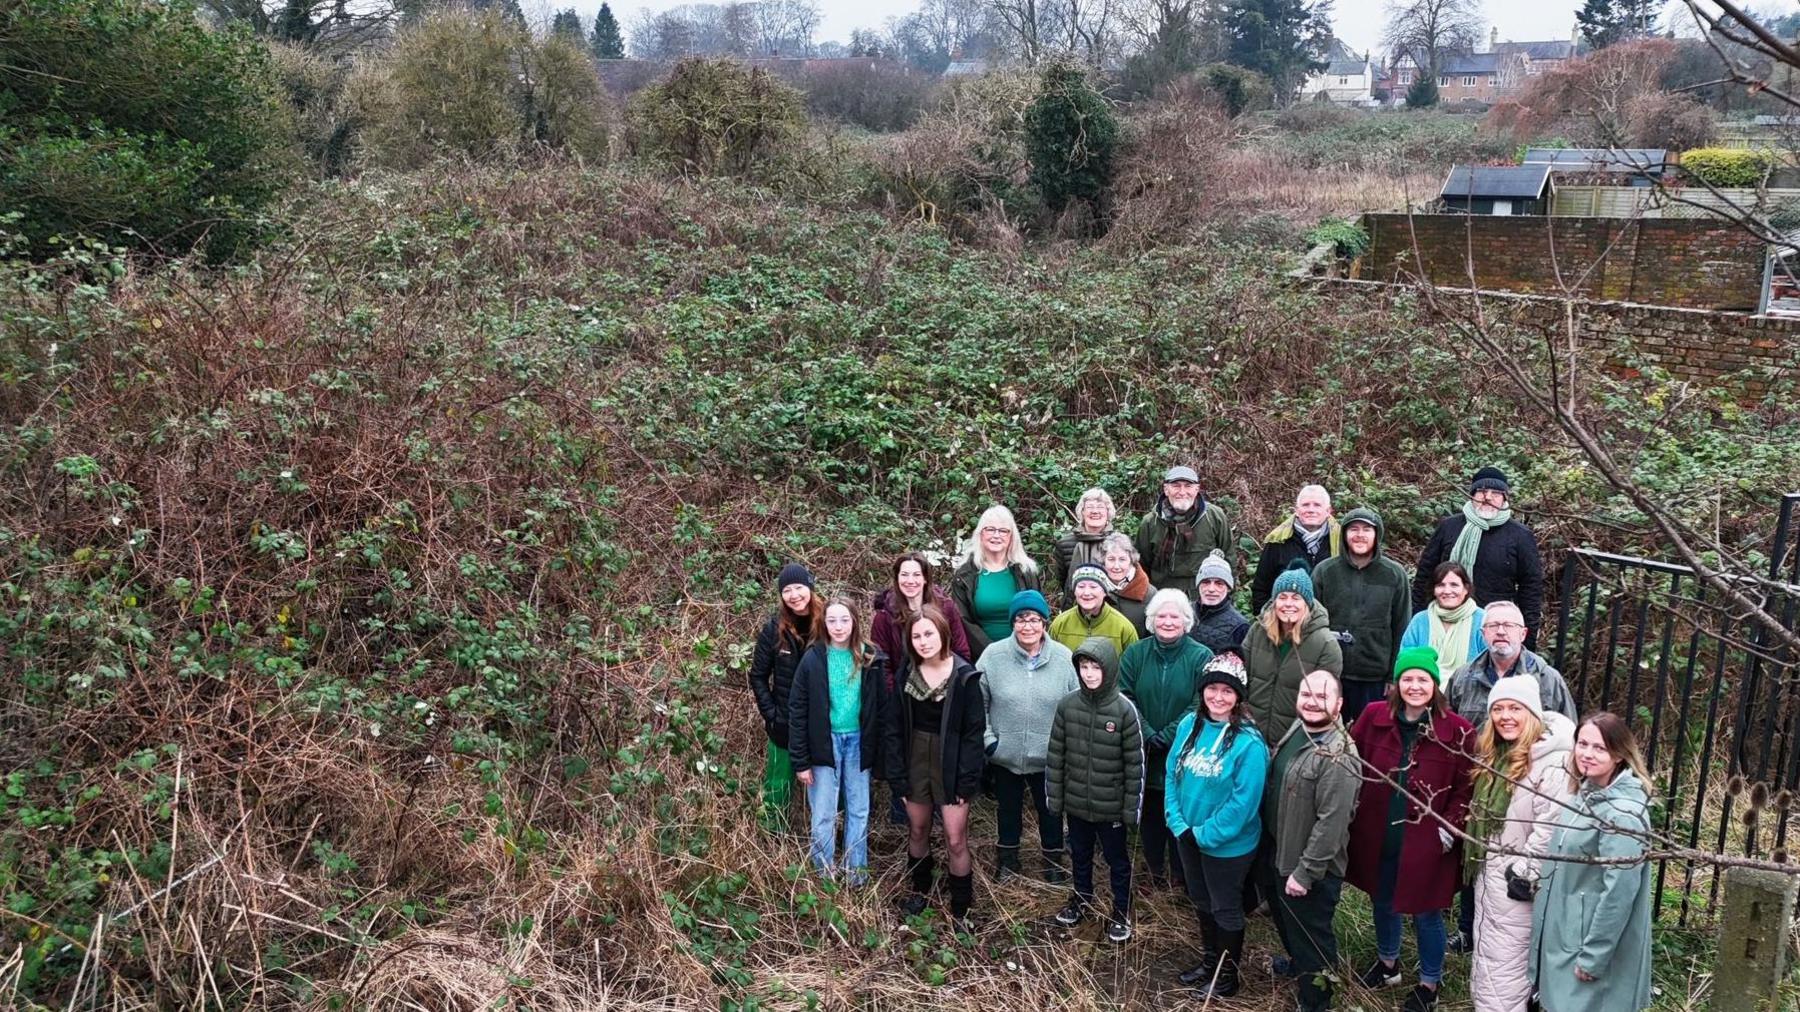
(1446, 839)
(1344, 637)
(993, 746)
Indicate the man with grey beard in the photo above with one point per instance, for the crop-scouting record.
(1503, 624)
(1499, 553)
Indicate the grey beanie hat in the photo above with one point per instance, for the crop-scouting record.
(1214, 567)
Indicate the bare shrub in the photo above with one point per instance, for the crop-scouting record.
(1664, 120)
(313, 85)
(874, 94)
(1587, 100)
(716, 117)
(1165, 176)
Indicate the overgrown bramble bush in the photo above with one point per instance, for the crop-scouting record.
(874, 94)
(1071, 137)
(716, 117)
(1163, 190)
(134, 123)
(472, 84)
(1734, 167)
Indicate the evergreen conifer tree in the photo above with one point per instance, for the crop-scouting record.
(607, 42)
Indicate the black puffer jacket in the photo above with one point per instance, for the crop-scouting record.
(1096, 769)
(965, 720)
(1507, 568)
(772, 676)
(1073, 550)
(809, 708)
(1220, 628)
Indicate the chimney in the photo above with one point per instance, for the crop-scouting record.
(1575, 35)
(1493, 39)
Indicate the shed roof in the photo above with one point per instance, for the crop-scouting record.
(1652, 160)
(1515, 182)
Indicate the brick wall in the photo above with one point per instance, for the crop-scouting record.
(1686, 263)
(1740, 352)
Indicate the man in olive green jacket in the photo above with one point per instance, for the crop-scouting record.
(1181, 531)
(1307, 805)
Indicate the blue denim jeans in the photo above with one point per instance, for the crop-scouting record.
(1429, 927)
(852, 781)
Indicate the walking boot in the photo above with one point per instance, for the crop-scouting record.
(920, 869)
(1006, 863)
(1231, 953)
(962, 897)
(1053, 867)
(1202, 973)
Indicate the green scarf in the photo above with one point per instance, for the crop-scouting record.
(1452, 644)
(1487, 815)
(1469, 541)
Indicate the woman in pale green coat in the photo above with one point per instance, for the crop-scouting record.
(1591, 922)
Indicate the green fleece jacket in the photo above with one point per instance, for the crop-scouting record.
(1096, 769)
(1071, 628)
(1161, 680)
(1308, 809)
(1275, 670)
(1372, 603)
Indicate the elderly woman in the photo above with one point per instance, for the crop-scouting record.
(1161, 677)
(1023, 677)
(1082, 545)
(995, 569)
(1130, 584)
(1291, 639)
(1450, 624)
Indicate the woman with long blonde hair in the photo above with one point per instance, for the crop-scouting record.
(1521, 785)
(995, 568)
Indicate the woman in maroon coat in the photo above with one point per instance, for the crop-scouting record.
(898, 604)
(1402, 854)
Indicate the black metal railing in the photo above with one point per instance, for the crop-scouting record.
(1711, 693)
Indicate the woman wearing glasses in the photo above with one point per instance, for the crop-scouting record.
(1023, 677)
(984, 584)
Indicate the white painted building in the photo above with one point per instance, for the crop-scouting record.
(1349, 79)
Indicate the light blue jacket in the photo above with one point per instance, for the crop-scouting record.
(1217, 797)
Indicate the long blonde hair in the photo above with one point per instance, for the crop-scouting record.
(1000, 516)
(1272, 626)
(1497, 758)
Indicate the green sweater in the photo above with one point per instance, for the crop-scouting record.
(1072, 628)
(1096, 769)
(1162, 680)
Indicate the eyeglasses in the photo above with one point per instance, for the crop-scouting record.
(1502, 626)
(996, 530)
(1032, 619)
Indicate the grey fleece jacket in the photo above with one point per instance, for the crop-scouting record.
(1021, 700)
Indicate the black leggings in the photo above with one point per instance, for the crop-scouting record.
(1215, 884)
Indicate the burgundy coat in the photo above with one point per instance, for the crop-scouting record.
(884, 629)
(1441, 774)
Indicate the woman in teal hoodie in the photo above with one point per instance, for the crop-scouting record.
(1161, 677)
(1213, 790)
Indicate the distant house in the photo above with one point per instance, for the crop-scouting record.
(1630, 166)
(1540, 57)
(1348, 78)
(1464, 77)
(1497, 189)
(966, 68)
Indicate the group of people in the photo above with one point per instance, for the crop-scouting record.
(1365, 725)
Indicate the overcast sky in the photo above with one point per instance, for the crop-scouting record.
(1357, 22)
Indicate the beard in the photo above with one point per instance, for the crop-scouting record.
(1486, 512)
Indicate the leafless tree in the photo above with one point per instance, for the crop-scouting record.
(1425, 30)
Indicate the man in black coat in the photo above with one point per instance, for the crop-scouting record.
(1500, 553)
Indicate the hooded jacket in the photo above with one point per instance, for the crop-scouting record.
(1592, 916)
(1308, 812)
(809, 707)
(963, 725)
(1275, 671)
(1071, 628)
(1220, 627)
(1507, 568)
(1096, 769)
(1372, 603)
(1283, 545)
(1499, 976)
(1162, 681)
(1074, 549)
(962, 591)
(1132, 599)
(772, 666)
(885, 631)
(1172, 549)
(1021, 701)
(1214, 791)
(1436, 772)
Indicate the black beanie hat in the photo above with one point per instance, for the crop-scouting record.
(793, 573)
(1489, 479)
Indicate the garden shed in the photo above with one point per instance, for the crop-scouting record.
(1497, 189)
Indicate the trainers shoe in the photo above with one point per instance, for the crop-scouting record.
(1071, 913)
(1283, 967)
(914, 904)
(1422, 999)
(1380, 975)
(1460, 943)
(1119, 930)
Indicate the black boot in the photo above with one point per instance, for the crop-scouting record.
(1231, 952)
(962, 897)
(920, 869)
(1007, 863)
(1053, 867)
(1202, 974)
(1315, 993)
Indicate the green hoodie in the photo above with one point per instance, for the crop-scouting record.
(1071, 628)
(1096, 769)
(1275, 671)
(1372, 603)
(1161, 679)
